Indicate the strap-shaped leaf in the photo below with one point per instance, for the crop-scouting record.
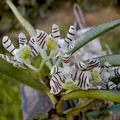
(97, 94)
(20, 76)
(114, 60)
(93, 33)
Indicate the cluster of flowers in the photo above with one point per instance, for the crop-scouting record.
(66, 77)
(42, 40)
(82, 76)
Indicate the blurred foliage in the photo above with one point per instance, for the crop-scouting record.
(92, 5)
(35, 10)
(112, 39)
(10, 103)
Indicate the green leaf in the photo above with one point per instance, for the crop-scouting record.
(114, 60)
(21, 76)
(93, 33)
(97, 94)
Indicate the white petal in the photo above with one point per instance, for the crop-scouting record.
(66, 58)
(7, 58)
(71, 45)
(79, 65)
(55, 69)
(56, 83)
(82, 78)
(71, 35)
(93, 63)
(22, 39)
(8, 44)
(55, 32)
(107, 64)
(34, 47)
(115, 73)
(40, 37)
(111, 85)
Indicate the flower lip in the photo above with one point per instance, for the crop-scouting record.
(24, 53)
(51, 43)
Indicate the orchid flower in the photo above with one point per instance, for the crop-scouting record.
(21, 55)
(54, 42)
(68, 78)
(103, 75)
(57, 46)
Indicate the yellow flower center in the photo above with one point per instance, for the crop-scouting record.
(51, 43)
(96, 75)
(69, 85)
(24, 53)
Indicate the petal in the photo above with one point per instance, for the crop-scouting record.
(82, 78)
(41, 36)
(8, 44)
(22, 39)
(66, 58)
(55, 69)
(111, 85)
(79, 65)
(51, 43)
(56, 83)
(69, 85)
(34, 47)
(71, 45)
(96, 76)
(107, 64)
(93, 63)
(115, 73)
(7, 58)
(55, 32)
(19, 64)
(71, 35)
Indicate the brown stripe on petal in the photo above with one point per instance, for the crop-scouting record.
(68, 38)
(8, 46)
(76, 75)
(39, 35)
(116, 72)
(72, 28)
(85, 79)
(55, 31)
(6, 41)
(12, 50)
(57, 36)
(71, 33)
(66, 41)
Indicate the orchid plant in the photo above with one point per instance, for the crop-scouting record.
(84, 79)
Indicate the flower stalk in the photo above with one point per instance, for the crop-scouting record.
(96, 94)
(79, 107)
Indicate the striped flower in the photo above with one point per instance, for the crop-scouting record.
(68, 78)
(21, 55)
(103, 75)
(54, 42)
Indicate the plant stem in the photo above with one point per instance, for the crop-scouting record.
(52, 98)
(24, 22)
(97, 94)
(78, 108)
